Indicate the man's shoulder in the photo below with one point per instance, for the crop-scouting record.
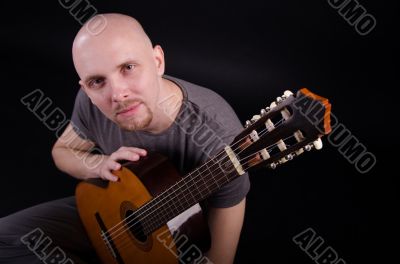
(204, 98)
(210, 107)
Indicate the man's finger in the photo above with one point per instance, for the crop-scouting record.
(139, 151)
(109, 176)
(125, 155)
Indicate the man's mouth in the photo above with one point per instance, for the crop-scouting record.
(128, 110)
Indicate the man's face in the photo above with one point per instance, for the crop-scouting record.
(121, 76)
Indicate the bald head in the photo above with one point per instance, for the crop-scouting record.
(115, 28)
(111, 25)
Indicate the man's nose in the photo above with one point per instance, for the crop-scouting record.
(119, 89)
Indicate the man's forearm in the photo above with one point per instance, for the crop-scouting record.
(79, 164)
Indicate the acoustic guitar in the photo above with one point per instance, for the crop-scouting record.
(152, 214)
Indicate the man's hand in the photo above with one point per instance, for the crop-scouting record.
(110, 163)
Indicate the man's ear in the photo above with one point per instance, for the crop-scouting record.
(159, 59)
(82, 85)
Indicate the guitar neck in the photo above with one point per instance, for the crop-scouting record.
(194, 187)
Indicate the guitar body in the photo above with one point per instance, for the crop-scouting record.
(103, 206)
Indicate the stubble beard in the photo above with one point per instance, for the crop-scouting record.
(139, 121)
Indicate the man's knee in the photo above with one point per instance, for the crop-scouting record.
(10, 231)
(20, 243)
(50, 231)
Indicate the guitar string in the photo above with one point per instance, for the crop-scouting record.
(134, 217)
(123, 222)
(199, 178)
(125, 241)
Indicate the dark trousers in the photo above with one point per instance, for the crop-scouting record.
(46, 233)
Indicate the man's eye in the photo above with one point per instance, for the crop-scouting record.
(95, 82)
(129, 67)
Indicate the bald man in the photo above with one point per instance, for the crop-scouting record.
(126, 107)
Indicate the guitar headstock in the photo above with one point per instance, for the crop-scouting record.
(291, 125)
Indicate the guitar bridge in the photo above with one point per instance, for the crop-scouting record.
(109, 243)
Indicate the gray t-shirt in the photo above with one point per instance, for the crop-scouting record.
(204, 124)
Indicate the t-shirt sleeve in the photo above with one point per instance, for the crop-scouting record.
(81, 116)
(229, 127)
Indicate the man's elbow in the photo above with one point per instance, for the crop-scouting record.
(56, 153)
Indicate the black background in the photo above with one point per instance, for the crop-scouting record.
(249, 52)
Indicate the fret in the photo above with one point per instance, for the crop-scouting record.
(169, 210)
(159, 214)
(207, 178)
(188, 188)
(204, 183)
(219, 173)
(162, 215)
(176, 209)
(175, 195)
(226, 162)
(211, 173)
(194, 183)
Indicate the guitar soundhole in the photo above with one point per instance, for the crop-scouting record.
(135, 226)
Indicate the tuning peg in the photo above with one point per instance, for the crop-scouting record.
(247, 124)
(279, 100)
(308, 147)
(263, 112)
(273, 104)
(287, 94)
(267, 109)
(255, 118)
(317, 144)
(289, 156)
(272, 165)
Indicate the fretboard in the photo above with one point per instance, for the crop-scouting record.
(191, 189)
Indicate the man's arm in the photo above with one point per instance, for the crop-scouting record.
(225, 226)
(71, 154)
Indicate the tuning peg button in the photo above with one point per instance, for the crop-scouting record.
(308, 147)
(255, 118)
(287, 93)
(289, 156)
(272, 165)
(263, 112)
(248, 123)
(317, 144)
